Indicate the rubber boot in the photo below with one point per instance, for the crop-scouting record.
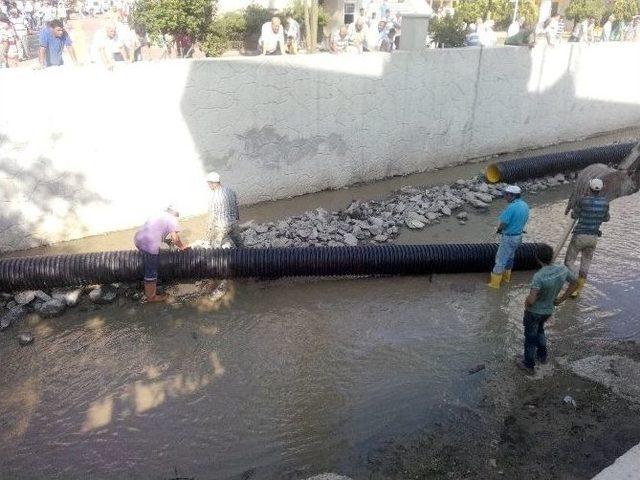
(495, 281)
(581, 282)
(150, 293)
(506, 276)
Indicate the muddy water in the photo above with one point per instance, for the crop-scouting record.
(286, 379)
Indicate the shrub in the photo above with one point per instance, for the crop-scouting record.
(225, 29)
(623, 9)
(175, 17)
(448, 31)
(500, 11)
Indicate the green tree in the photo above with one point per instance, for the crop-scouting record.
(579, 10)
(623, 9)
(230, 27)
(500, 11)
(448, 31)
(175, 17)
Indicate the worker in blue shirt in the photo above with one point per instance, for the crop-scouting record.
(53, 38)
(591, 211)
(512, 222)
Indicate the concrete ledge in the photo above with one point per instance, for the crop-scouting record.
(626, 467)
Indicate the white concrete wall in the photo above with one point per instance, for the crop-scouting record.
(85, 151)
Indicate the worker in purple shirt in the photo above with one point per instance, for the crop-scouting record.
(53, 38)
(148, 240)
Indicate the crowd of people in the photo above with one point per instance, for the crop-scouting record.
(366, 33)
(117, 41)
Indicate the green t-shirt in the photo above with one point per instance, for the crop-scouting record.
(549, 281)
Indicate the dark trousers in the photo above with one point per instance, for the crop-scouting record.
(535, 342)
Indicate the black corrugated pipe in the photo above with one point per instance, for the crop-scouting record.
(109, 267)
(552, 163)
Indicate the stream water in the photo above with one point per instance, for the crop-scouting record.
(289, 378)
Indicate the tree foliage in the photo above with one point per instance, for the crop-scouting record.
(579, 10)
(175, 17)
(623, 9)
(448, 31)
(500, 11)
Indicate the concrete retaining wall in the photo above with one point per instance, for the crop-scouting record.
(84, 151)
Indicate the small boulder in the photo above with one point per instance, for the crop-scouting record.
(446, 211)
(52, 308)
(103, 294)
(25, 298)
(40, 295)
(414, 224)
(25, 339)
(69, 297)
(462, 216)
(350, 239)
(11, 316)
(381, 238)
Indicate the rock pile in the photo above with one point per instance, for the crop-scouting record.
(380, 221)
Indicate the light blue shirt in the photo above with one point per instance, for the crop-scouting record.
(515, 217)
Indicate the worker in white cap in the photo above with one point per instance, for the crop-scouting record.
(224, 214)
(591, 211)
(513, 220)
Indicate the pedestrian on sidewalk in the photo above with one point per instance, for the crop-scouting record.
(591, 211)
(148, 240)
(543, 296)
(513, 220)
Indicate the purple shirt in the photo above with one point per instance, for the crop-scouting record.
(152, 234)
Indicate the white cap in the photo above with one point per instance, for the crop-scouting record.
(213, 177)
(596, 185)
(514, 189)
(172, 210)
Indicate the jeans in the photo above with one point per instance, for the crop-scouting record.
(535, 342)
(150, 262)
(506, 253)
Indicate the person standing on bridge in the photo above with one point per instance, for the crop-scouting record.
(224, 215)
(148, 240)
(513, 220)
(591, 211)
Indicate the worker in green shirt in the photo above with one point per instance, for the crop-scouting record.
(545, 287)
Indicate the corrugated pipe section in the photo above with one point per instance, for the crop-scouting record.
(124, 266)
(552, 163)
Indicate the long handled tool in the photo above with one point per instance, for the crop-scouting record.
(565, 236)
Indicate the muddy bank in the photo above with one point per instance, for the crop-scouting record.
(524, 429)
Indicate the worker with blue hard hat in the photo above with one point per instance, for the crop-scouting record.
(513, 220)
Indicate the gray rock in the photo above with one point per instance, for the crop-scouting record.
(262, 228)
(484, 197)
(11, 316)
(568, 400)
(42, 296)
(247, 225)
(446, 211)
(71, 298)
(478, 203)
(381, 238)
(26, 297)
(303, 233)
(460, 182)
(462, 216)
(409, 190)
(52, 308)
(414, 224)
(482, 187)
(559, 177)
(462, 222)
(103, 294)
(350, 239)
(432, 216)
(25, 339)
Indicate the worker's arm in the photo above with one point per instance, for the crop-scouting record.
(42, 53)
(72, 54)
(501, 228)
(175, 240)
(572, 288)
(124, 53)
(606, 215)
(532, 297)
